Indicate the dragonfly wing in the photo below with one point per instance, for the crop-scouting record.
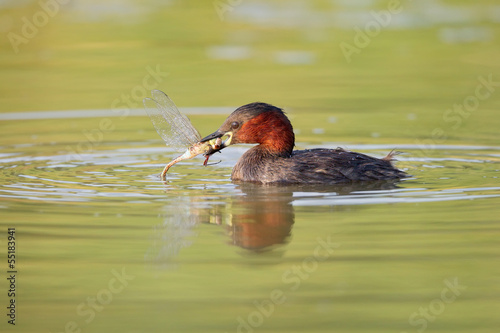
(162, 126)
(180, 123)
(173, 127)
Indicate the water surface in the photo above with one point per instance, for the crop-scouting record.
(105, 245)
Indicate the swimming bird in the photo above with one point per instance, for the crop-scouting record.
(273, 159)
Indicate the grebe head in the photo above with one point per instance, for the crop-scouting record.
(258, 123)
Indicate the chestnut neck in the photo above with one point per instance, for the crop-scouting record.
(273, 131)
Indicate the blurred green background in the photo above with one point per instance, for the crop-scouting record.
(400, 81)
(399, 87)
(232, 52)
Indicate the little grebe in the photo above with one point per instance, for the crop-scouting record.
(275, 161)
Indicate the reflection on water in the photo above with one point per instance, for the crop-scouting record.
(173, 234)
(258, 219)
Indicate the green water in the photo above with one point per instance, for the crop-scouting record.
(102, 245)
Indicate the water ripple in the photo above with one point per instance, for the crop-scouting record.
(130, 174)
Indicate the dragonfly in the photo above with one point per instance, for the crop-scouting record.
(176, 130)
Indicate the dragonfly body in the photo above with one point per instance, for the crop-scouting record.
(177, 131)
(205, 148)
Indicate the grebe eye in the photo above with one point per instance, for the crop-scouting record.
(235, 125)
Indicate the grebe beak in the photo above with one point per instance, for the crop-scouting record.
(219, 134)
